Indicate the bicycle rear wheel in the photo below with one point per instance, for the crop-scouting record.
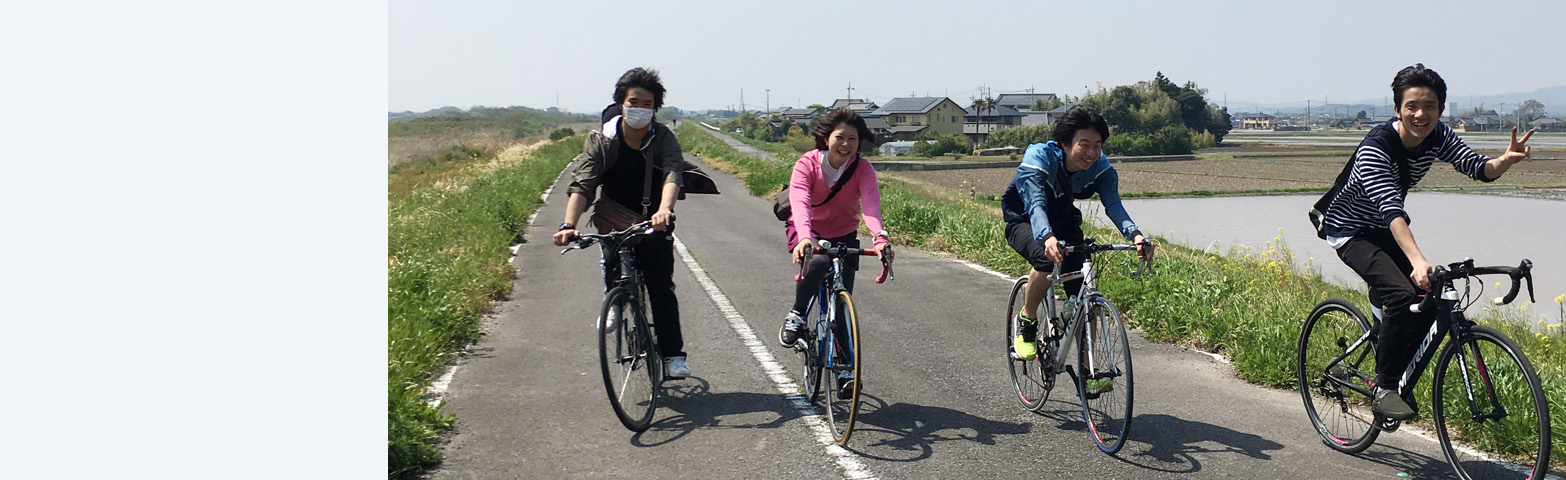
(1104, 378)
(843, 404)
(1487, 395)
(1340, 414)
(1027, 376)
(630, 366)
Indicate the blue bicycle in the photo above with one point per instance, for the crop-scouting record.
(833, 340)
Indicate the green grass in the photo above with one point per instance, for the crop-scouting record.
(447, 261)
(1247, 303)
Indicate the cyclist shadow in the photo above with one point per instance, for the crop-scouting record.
(1417, 465)
(688, 404)
(1171, 444)
(904, 432)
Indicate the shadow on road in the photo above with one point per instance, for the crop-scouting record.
(693, 405)
(904, 432)
(1415, 464)
(1168, 444)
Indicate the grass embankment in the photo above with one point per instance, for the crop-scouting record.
(446, 262)
(1247, 304)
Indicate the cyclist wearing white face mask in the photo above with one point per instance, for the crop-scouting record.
(637, 165)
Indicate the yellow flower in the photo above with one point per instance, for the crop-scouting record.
(1561, 299)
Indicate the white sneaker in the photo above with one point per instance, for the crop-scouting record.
(675, 367)
(614, 319)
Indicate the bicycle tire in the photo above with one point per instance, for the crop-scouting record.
(1349, 426)
(1104, 355)
(842, 412)
(627, 358)
(1517, 444)
(1027, 376)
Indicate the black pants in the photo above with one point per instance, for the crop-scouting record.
(655, 259)
(1020, 236)
(1376, 257)
(817, 270)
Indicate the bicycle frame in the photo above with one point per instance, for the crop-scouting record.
(1451, 322)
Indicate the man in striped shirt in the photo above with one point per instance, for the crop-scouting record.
(1367, 225)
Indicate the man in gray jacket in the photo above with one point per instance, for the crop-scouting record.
(636, 163)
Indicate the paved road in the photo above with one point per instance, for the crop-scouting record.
(530, 403)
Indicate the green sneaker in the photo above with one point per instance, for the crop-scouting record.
(1097, 386)
(1026, 345)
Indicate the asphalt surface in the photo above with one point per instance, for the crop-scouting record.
(530, 402)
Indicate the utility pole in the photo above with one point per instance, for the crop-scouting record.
(769, 99)
(742, 99)
(850, 91)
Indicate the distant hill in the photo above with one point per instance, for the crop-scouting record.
(1553, 98)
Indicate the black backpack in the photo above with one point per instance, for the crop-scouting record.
(1399, 154)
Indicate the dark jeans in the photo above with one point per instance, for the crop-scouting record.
(655, 259)
(1376, 257)
(816, 272)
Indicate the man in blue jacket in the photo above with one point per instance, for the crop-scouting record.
(1040, 214)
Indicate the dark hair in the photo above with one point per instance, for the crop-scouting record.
(1418, 76)
(839, 116)
(1078, 118)
(639, 78)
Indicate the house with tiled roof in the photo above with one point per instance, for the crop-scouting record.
(912, 117)
(1023, 101)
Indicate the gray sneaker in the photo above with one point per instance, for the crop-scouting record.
(792, 325)
(675, 367)
(1388, 404)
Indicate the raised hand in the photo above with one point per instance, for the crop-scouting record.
(1520, 147)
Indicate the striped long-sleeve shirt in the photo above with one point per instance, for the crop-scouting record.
(1371, 199)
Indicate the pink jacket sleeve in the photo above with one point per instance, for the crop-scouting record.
(870, 201)
(806, 171)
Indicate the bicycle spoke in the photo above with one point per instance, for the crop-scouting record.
(1327, 375)
(1489, 409)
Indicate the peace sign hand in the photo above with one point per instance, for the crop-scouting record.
(1519, 149)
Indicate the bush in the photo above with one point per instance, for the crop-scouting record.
(1017, 136)
(942, 145)
(561, 133)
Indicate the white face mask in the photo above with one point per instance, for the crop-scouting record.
(638, 118)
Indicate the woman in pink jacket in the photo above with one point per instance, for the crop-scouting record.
(835, 219)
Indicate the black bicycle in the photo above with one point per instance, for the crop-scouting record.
(628, 352)
(1486, 392)
(830, 344)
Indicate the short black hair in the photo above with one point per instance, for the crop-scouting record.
(1078, 118)
(640, 78)
(1418, 76)
(839, 116)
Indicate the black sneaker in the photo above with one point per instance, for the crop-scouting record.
(788, 334)
(1390, 405)
(845, 387)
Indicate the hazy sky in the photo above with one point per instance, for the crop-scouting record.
(501, 53)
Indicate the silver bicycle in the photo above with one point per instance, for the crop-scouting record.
(1092, 334)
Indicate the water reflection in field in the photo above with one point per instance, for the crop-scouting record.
(1493, 230)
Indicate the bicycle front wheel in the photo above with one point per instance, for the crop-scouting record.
(1104, 378)
(1487, 396)
(843, 399)
(627, 360)
(1028, 376)
(1340, 414)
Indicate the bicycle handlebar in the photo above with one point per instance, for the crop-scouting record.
(1144, 267)
(1464, 269)
(825, 247)
(584, 240)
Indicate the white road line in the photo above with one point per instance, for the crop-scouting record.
(851, 466)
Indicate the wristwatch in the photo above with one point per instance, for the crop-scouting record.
(567, 226)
